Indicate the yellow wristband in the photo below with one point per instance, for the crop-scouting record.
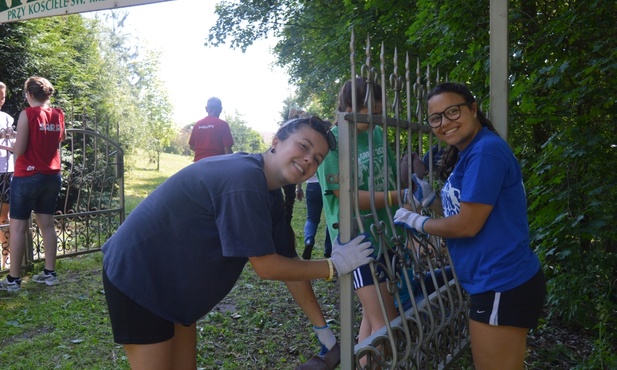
(331, 267)
(389, 199)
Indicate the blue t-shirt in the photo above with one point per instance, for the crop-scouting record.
(499, 257)
(183, 247)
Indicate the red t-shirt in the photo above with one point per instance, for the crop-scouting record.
(46, 129)
(210, 136)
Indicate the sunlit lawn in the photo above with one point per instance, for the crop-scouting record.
(142, 177)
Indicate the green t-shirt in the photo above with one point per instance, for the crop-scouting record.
(329, 170)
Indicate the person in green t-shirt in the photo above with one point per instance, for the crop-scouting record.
(372, 318)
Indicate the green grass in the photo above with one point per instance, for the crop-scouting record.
(63, 327)
(143, 177)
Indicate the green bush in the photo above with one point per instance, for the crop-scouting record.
(572, 202)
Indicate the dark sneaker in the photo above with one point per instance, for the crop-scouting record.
(328, 361)
(308, 248)
(10, 287)
(44, 278)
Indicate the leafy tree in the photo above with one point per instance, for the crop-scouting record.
(180, 143)
(313, 37)
(245, 138)
(103, 81)
(154, 105)
(563, 109)
(65, 52)
(14, 63)
(114, 94)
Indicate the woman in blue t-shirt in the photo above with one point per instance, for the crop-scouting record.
(181, 250)
(485, 223)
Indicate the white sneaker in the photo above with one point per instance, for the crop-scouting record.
(10, 287)
(44, 278)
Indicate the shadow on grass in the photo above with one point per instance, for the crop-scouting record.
(141, 186)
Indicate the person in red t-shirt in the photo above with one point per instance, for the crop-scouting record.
(211, 135)
(36, 181)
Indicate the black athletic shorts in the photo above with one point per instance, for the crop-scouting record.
(520, 307)
(132, 323)
(362, 275)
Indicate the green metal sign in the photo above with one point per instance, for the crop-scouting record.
(19, 10)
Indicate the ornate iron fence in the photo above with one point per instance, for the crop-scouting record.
(90, 206)
(432, 327)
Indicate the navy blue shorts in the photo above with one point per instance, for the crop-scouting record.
(37, 193)
(362, 275)
(131, 323)
(520, 307)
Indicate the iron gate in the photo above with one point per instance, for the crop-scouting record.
(431, 330)
(90, 206)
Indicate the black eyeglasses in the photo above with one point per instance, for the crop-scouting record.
(318, 125)
(452, 112)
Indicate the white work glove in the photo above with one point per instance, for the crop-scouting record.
(351, 255)
(424, 194)
(410, 220)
